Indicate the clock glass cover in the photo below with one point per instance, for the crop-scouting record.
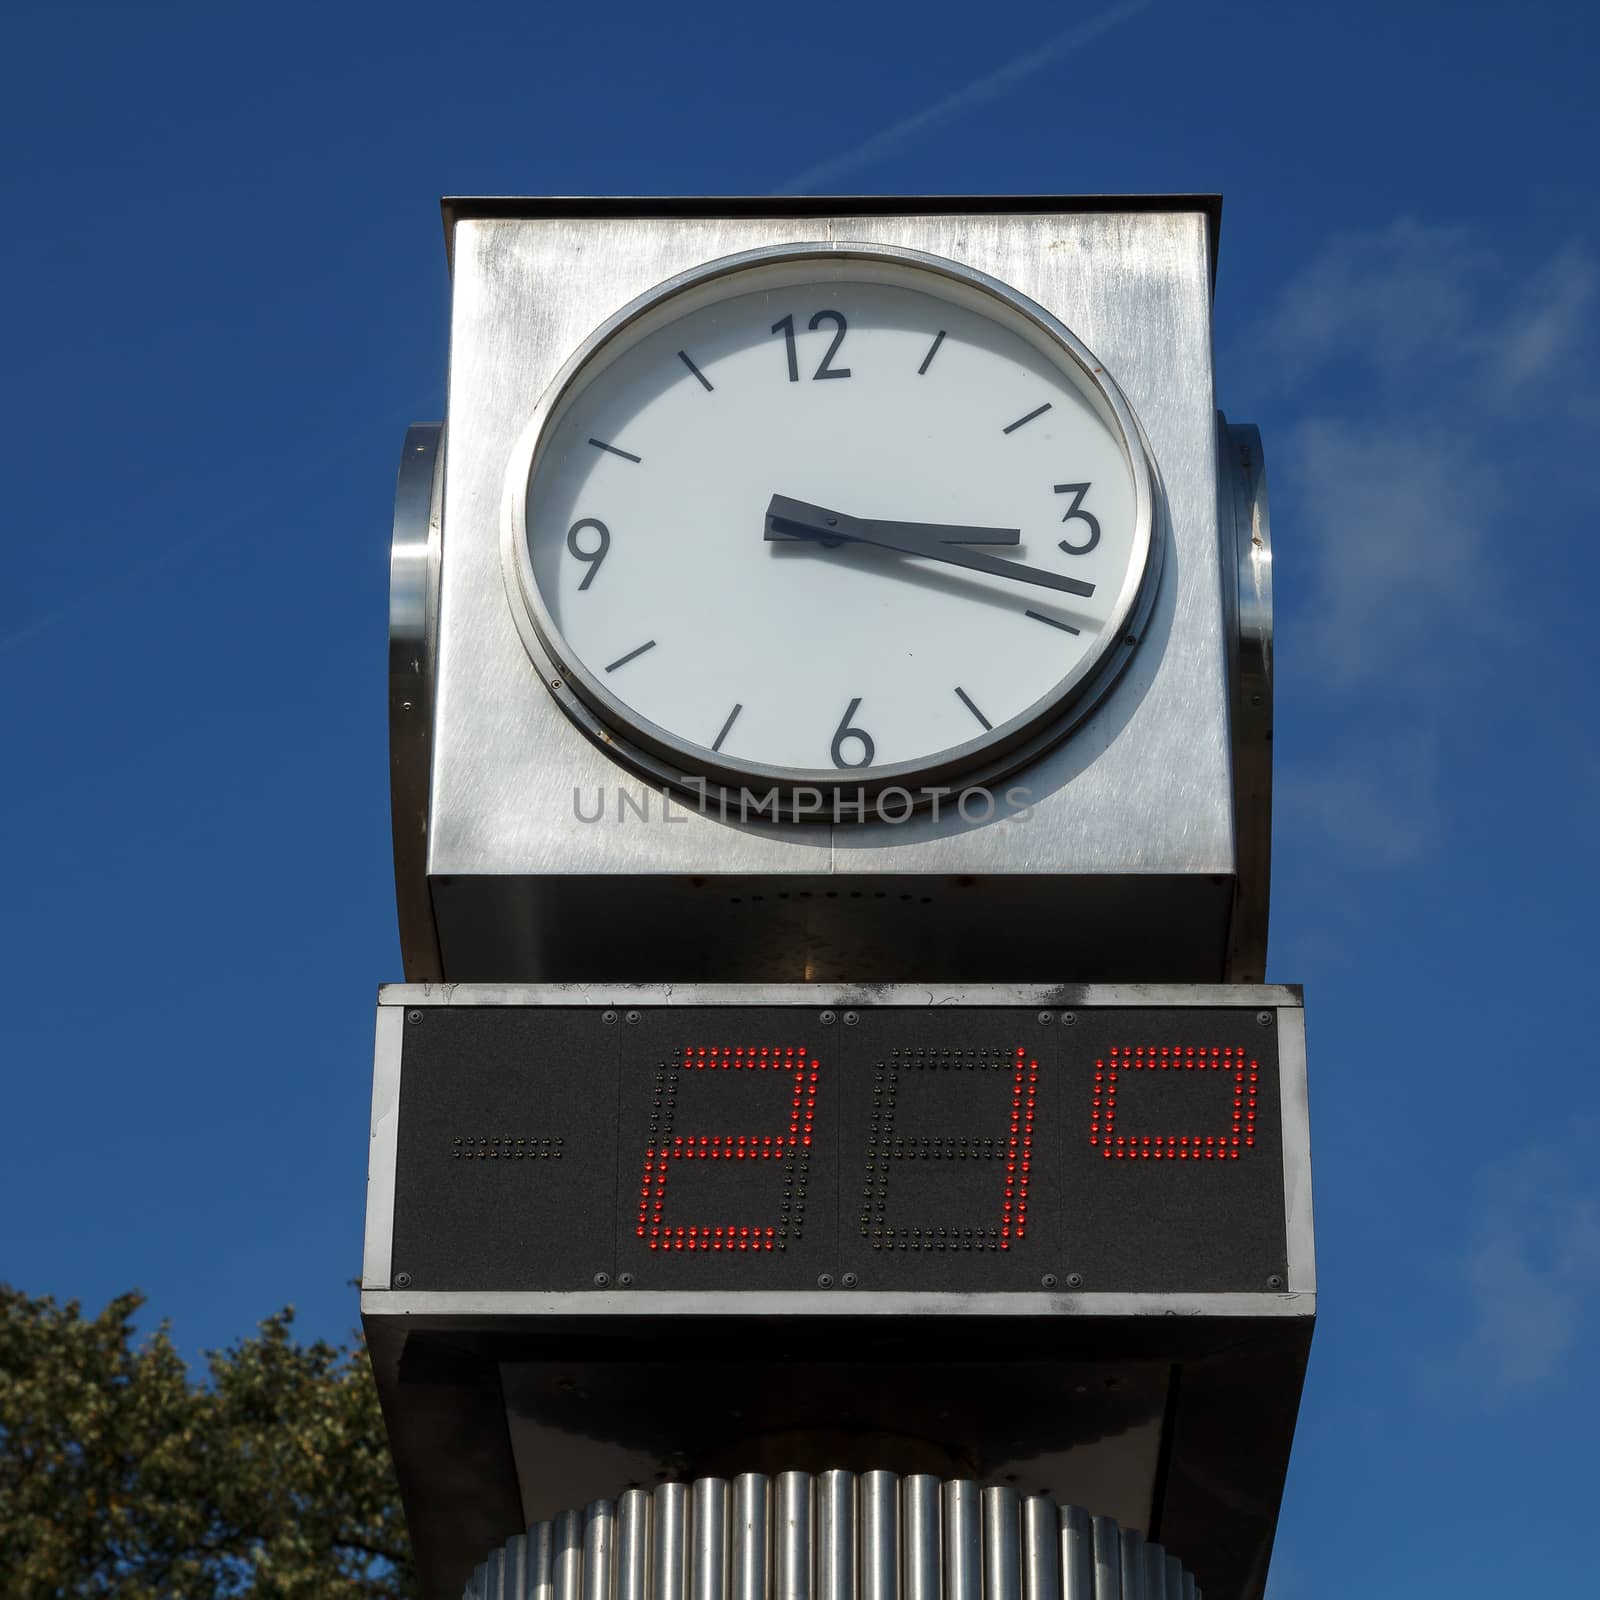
(836, 516)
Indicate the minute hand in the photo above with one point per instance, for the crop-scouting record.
(930, 541)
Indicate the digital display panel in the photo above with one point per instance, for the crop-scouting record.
(893, 1148)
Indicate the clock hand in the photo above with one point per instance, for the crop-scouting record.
(932, 541)
(801, 520)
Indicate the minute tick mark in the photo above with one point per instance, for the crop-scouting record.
(933, 350)
(717, 743)
(705, 382)
(1038, 411)
(622, 661)
(966, 700)
(627, 455)
(1055, 622)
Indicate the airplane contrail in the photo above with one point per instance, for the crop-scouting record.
(974, 94)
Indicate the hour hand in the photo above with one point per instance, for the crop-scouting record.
(932, 541)
(799, 519)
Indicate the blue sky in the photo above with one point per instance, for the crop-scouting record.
(226, 297)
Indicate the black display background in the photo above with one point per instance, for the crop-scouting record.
(482, 1200)
(904, 1184)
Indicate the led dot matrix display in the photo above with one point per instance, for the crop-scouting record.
(936, 1149)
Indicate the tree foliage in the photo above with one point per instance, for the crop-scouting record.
(122, 1477)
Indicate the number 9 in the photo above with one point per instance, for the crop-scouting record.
(592, 557)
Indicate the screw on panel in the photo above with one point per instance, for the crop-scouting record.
(414, 1016)
(1264, 1018)
(1275, 1281)
(602, 1280)
(402, 1280)
(632, 1016)
(827, 1018)
(1068, 1018)
(825, 1281)
(608, 1016)
(1045, 1018)
(1048, 1280)
(851, 1019)
(1074, 1280)
(849, 1280)
(625, 1280)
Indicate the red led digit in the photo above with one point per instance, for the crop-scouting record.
(1012, 1150)
(1240, 1081)
(791, 1150)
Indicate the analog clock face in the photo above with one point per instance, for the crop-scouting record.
(833, 519)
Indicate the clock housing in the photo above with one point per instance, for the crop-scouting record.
(533, 844)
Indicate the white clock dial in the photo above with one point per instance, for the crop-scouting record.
(833, 517)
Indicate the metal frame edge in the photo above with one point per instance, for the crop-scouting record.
(1295, 1115)
(378, 1247)
(472, 208)
(419, 1306)
(1278, 996)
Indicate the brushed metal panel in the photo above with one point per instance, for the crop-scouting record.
(1143, 789)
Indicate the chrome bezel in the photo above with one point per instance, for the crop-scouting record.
(713, 779)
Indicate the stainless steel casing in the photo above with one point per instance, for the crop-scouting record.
(1171, 1412)
(1127, 864)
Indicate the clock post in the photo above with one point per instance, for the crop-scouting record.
(834, 1140)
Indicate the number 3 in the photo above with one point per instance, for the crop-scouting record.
(1075, 511)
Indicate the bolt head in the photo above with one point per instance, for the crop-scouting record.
(1074, 1280)
(851, 1019)
(414, 1016)
(1048, 1280)
(1045, 1018)
(1069, 1019)
(849, 1280)
(402, 1280)
(632, 1016)
(827, 1019)
(1275, 1281)
(602, 1280)
(825, 1281)
(1264, 1018)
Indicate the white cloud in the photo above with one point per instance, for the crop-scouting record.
(1545, 332)
(1388, 299)
(1532, 1271)
(1432, 312)
(1393, 495)
(1431, 381)
(1376, 803)
(1393, 524)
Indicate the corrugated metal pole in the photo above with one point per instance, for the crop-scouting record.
(832, 1536)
